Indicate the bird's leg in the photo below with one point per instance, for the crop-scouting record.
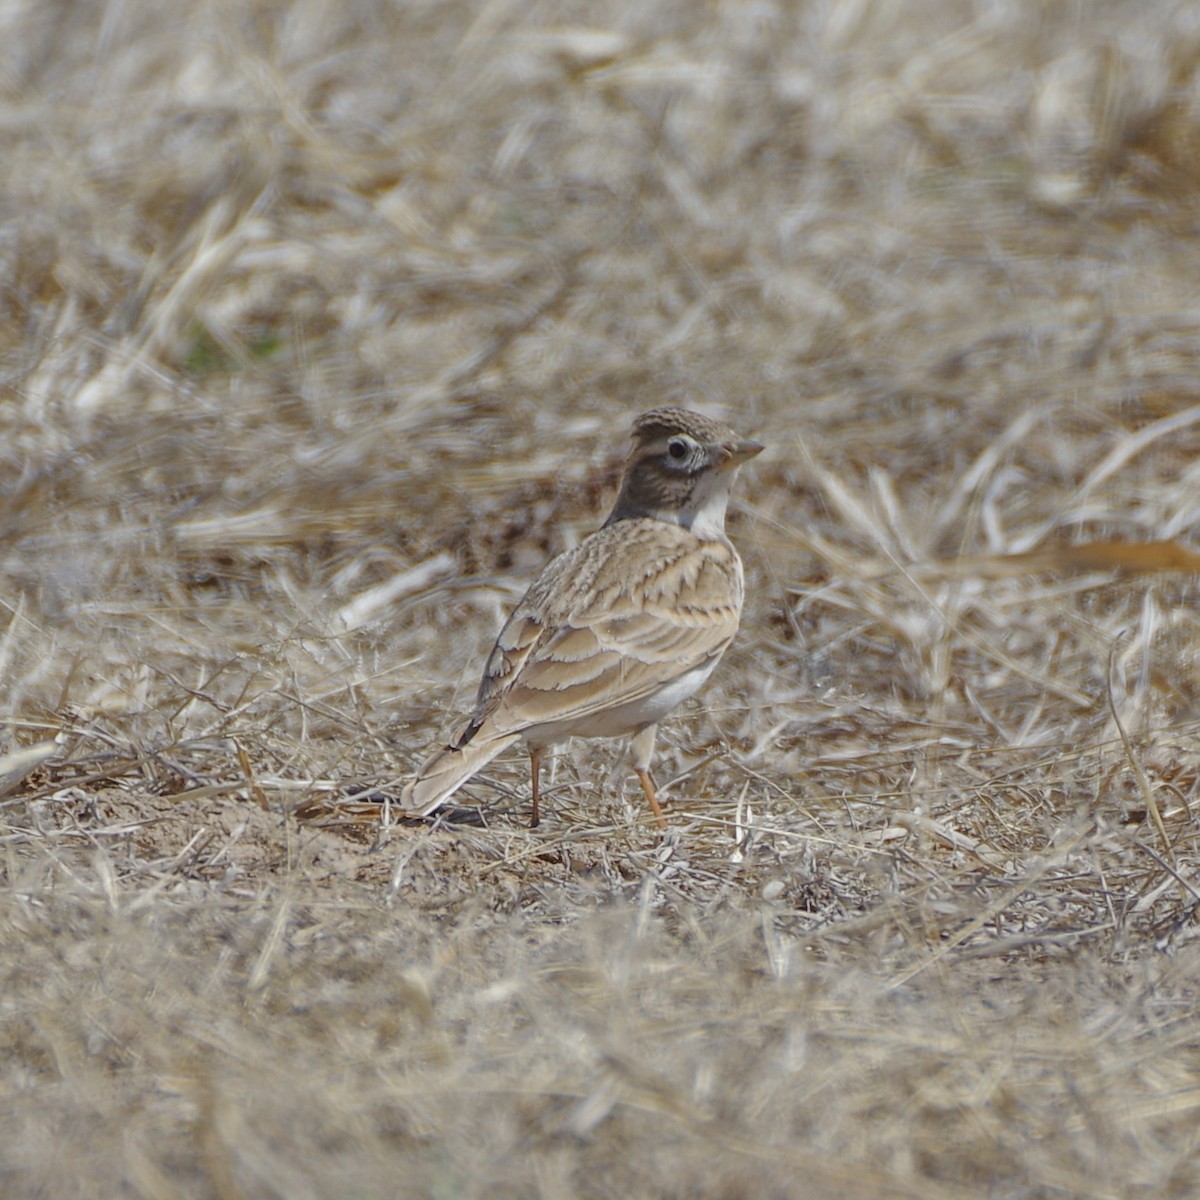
(643, 752)
(535, 771)
(648, 787)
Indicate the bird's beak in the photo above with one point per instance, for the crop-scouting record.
(738, 453)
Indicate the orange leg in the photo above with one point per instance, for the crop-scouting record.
(651, 795)
(535, 769)
(643, 752)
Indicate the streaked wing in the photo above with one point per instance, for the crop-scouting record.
(630, 609)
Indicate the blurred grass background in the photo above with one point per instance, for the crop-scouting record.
(322, 327)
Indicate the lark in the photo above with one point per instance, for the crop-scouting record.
(623, 628)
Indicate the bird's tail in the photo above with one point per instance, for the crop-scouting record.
(442, 774)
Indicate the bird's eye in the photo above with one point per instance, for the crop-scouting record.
(677, 448)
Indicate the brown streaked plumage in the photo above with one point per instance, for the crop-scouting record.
(620, 630)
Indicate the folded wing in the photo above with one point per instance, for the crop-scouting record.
(635, 624)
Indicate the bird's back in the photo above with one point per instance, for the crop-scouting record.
(631, 608)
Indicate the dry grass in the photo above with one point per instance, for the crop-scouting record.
(322, 326)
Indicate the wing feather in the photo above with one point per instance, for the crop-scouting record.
(629, 610)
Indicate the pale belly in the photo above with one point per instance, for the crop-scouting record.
(626, 718)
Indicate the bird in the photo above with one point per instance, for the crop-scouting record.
(622, 628)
